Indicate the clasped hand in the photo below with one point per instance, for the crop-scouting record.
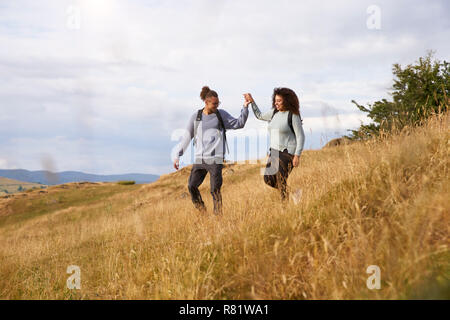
(248, 99)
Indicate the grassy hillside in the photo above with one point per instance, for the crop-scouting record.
(9, 186)
(381, 203)
(33, 203)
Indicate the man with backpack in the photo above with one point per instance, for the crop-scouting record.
(207, 127)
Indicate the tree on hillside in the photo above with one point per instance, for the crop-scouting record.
(20, 188)
(419, 91)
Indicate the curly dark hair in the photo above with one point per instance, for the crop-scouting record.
(207, 93)
(290, 99)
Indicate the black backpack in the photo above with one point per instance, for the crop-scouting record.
(289, 119)
(221, 127)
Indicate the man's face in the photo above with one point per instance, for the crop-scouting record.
(212, 103)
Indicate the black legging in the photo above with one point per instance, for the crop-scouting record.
(278, 168)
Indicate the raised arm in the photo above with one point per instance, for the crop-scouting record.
(234, 123)
(261, 116)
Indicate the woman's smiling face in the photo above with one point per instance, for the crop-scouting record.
(279, 103)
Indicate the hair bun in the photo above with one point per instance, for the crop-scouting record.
(204, 92)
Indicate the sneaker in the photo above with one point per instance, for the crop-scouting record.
(296, 196)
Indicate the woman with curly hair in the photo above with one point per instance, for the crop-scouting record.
(286, 137)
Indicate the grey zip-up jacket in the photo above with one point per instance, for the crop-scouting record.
(209, 144)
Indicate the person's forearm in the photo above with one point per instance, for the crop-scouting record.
(300, 138)
(187, 137)
(256, 111)
(243, 117)
(184, 143)
(233, 123)
(265, 117)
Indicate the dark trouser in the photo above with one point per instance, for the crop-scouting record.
(278, 178)
(198, 174)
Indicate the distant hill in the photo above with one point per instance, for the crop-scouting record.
(9, 186)
(53, 178)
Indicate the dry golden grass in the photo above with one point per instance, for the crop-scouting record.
(382, 202)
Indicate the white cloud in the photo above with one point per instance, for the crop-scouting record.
(337, 123)
(4, 164)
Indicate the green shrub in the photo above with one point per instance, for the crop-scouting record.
(419, 91)
(126, 182)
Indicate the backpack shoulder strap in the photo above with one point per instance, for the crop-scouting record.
(222, 128)
(274, 111)
(290, 122)
(196, 124)
(221, 124)
(199, 115)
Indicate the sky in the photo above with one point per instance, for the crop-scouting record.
(107, 86)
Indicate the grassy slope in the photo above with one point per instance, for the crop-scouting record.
(32, 203)
(379, 203)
